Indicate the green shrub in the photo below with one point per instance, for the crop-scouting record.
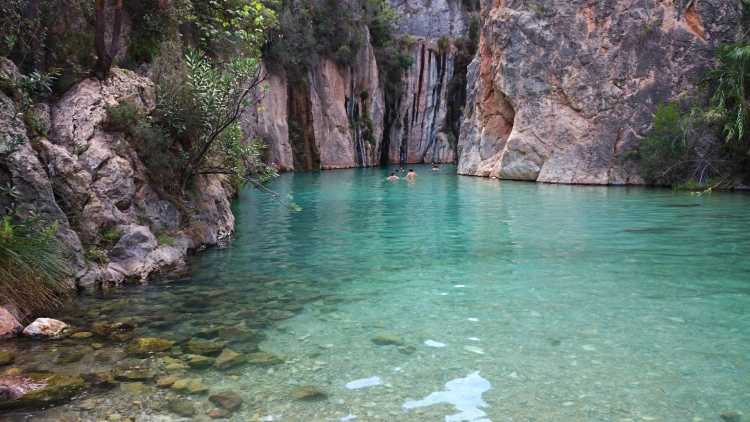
(97, 255)
(165, 239)
(110, 236)
(33, 272)
(664, 153)
(122, 117)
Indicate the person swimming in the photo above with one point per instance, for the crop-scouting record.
(411, 175)
(392, 177)
(435, 167)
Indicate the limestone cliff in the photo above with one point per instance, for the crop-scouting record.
(338, 116)
(562, 90)
(328, 119)
(92, 182)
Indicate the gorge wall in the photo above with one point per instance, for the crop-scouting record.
(563, 90)
(339, 116)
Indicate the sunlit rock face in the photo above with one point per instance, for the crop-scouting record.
(431, 18)
(561, 91)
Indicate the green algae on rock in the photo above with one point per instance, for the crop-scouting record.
(147, 345)
(38, 389)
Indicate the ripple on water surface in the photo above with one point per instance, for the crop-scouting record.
(448, 299)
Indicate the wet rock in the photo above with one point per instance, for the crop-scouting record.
(45, 327)
(208, 333)
(133, 374)
(104, 379)
(147, 345)
(172, 364)
(731, 416)
(182, 407)
(6, 358)
(9, 325)
(308, 393)
(35, 390)
(204, 347)
(71, 355)
(228, 358)
(264, 359)
(192, 385)
(82, 335)
(199, 361)
(133, 388)
(227, 400)
(218, 413)
(407, 350)
(166, 381)
(388, 339)
(103, 329)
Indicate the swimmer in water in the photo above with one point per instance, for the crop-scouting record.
(411, 175)
(435, 167)
(392, 177)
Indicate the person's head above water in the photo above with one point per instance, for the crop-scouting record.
(411, 170)
(393, 174)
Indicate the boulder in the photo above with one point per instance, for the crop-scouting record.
(147, 345)
(45, 327)
(227, 400)
(9, 325)
(36, 390)
(228, 358)
(204, 347)
(182, 407)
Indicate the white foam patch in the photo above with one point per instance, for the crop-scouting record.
(459, 286)
(474, 339)
(364, 383)
(348, 418)
(465, 394)
(473, 319)
(433, 343)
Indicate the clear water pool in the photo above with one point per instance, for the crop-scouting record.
(501, 301)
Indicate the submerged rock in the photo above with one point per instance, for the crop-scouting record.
(146, 345)
(731, 416)
(227, 400)
(182, 407)
(204, 347)
(9, 325)
(82, 335)
(72, 355)
(6, 358)
(264, 359)
(199, 361)
(166, 381)
(45, 327)
(133, 374)
(228, 358)
(308, 393)
(388, 339)
(35, 390)
(192, 385)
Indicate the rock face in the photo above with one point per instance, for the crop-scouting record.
(92, 182)
(330, 118)
(418, 131)
(340, 117)
(562, 91)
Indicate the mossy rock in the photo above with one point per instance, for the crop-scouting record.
(133, 374)
(228, 359)
(147, 345)
(199, 361)
(6, 358)
(181, 407)
(82, 335)
(204, 347)
(308, 393)
(388, 339)
(264, 359)
(42, 388)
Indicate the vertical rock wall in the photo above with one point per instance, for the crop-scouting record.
(419, 132)
(563, 90)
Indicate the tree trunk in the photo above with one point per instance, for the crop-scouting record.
(106, 56)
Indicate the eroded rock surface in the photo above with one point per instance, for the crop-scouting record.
(92, 182)
(562, 91)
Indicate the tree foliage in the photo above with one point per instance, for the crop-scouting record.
(729, 102)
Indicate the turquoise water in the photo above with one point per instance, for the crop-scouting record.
(510, 302)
